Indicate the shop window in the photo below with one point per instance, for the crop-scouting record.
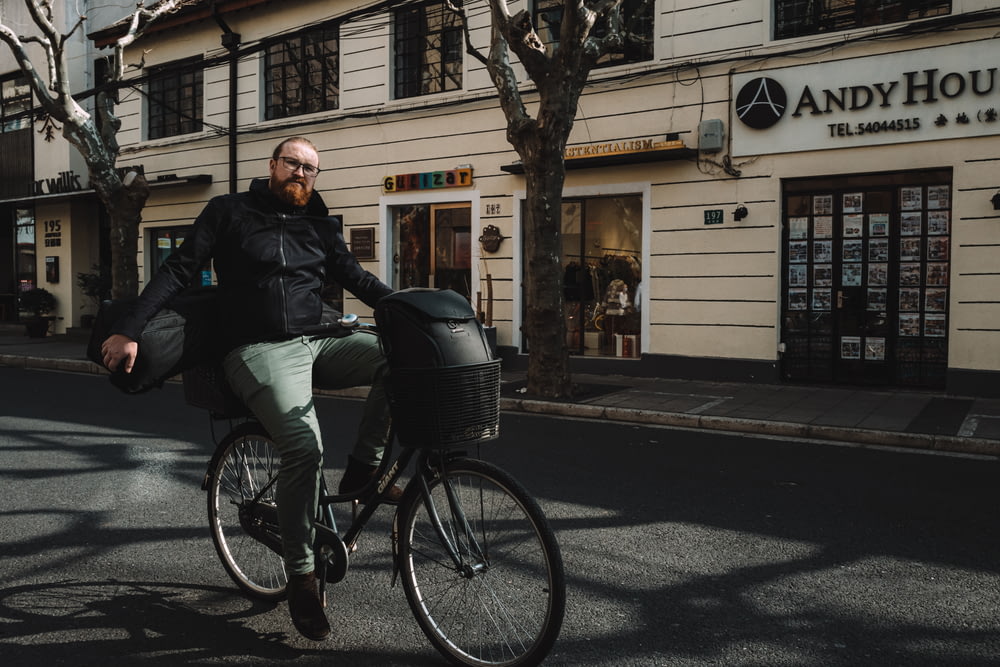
(163, 241)
(638, 48)
(25, 264)
(866, 276)
(302, 74)
(428, 48)
(795, 18)
(175, 99)
(602, 289)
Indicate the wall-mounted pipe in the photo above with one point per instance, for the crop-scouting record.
(231, 41)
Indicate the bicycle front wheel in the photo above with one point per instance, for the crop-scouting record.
(242, 513)
(493, 591)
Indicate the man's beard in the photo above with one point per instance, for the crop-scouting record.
(295, 193)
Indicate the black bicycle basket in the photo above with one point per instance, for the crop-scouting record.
(443, 383)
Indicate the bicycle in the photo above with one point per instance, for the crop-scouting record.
(479, 564)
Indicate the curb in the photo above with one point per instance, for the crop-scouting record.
(922, 441)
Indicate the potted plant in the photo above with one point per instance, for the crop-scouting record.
(39, 302)
(95, 285)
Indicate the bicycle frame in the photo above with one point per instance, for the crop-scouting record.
(335, 547)
(329, 538)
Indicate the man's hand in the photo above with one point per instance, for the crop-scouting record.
(119, 349)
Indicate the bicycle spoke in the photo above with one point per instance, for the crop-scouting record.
(239, 489)
(503, 603)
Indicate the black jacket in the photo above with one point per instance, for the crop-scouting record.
(271, 260)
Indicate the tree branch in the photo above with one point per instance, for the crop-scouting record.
(20, 54)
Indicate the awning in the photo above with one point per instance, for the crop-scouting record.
(170, 181)
(679, 152)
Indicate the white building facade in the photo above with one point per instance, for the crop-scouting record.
(784, 191)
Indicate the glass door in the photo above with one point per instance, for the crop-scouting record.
(433, 247)
(865, 273)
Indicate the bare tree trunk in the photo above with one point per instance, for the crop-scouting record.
(125, 211)
(542, 146)
(545, 323)
(123, 199)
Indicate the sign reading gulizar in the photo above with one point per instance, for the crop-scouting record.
(428, 180)
(944, 93)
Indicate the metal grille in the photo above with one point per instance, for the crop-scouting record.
(427, 47)
(795, 18)
(446, 407)
(175, 99)
(303, 74)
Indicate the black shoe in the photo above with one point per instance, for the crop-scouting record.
(357, 476)
(305, 607)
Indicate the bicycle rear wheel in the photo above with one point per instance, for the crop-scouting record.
(244, 526)
(503, 604)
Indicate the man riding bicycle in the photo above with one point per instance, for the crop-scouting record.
(274, 248)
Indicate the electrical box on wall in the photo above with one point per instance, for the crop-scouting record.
(710, 135)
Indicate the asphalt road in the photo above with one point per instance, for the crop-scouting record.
(681, 547)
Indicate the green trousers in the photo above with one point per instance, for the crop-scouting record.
(275, 379)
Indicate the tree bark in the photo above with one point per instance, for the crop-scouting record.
(124, 207)
(545, 323)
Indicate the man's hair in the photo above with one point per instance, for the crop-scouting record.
(292, 140)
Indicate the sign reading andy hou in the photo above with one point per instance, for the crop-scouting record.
(942, 93)
(428, 180)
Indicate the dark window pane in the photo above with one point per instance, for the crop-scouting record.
(795, 18)
(302, 74)
(638, 45)
(428, 50)
(175, 99)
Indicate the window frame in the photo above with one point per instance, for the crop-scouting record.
(15, 111)
(306, 49)
(632, 53)
(791, 19)
(163, 120)
(414, 38)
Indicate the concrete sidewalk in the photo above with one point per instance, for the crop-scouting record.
(878, 416)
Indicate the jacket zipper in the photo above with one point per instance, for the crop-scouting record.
(281, 276)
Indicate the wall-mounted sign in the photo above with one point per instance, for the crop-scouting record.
(66, 181)
(621, 148)
(714, 216)
(932, 94)
(363, 242)
(53, 233)
(491, 238)
(428, 180)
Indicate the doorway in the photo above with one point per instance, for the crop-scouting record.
(865, 279)
(433, 246)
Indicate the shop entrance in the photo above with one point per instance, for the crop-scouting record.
(866, 273)
(433, 247)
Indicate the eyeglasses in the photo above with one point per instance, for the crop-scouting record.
(294, 165)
